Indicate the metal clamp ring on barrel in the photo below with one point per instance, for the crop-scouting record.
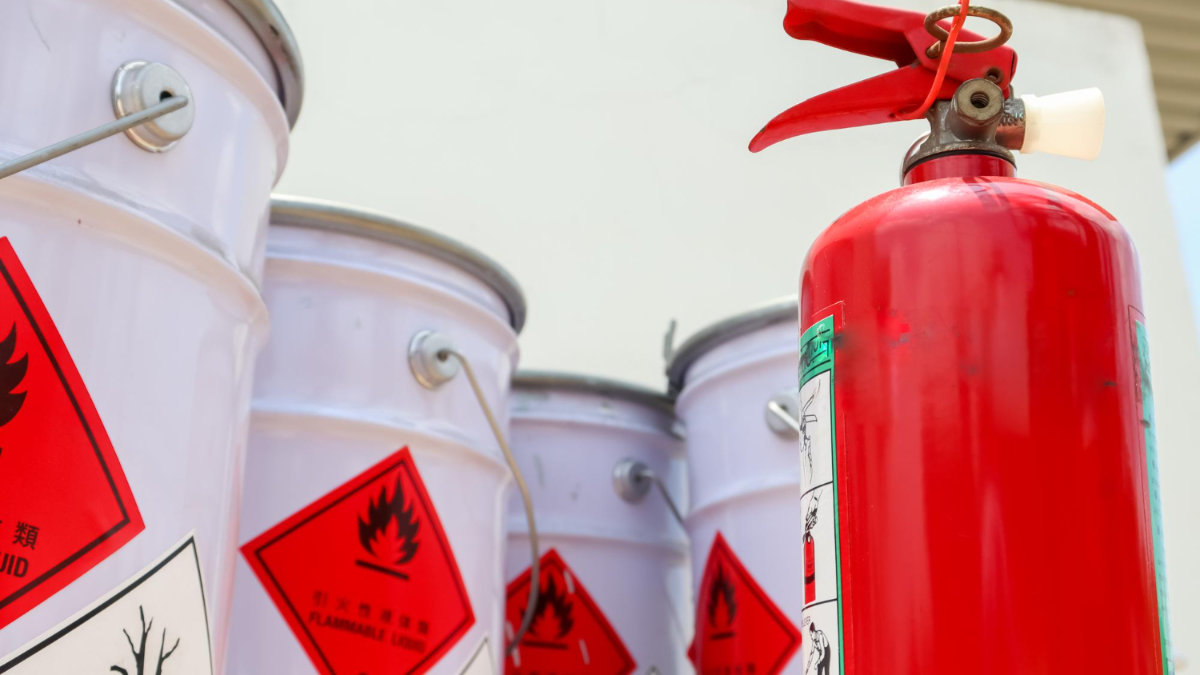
(941, 34)
(434, 362)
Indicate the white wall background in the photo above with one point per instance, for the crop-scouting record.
(1183, 180)
(597, 149)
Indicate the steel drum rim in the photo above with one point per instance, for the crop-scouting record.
(554, 380)
(705, 340)
(277, 38)
(319, 214)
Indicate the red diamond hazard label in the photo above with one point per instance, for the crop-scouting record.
(738, 628)
(365, 576)
(64, 502)
(569, 634)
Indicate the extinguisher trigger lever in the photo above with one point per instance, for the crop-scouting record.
(903, 37)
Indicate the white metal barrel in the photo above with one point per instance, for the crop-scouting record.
(744, 477)
(148, 264)
(615, 594)
(336, 398)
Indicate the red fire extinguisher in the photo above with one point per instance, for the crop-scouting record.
(990, 424)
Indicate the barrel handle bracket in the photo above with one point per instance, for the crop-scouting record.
(434, 361)
(153, 105)
(782, 413)
(632, 481)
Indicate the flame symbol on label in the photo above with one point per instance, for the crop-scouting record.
(720, 596)
(553, 613)
(390, 531)
(11, 375)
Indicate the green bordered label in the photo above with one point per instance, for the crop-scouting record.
(1160, 561)
(821, 620)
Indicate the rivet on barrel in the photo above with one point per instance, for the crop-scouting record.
(631, 480)
(139, 85)
(427, 357)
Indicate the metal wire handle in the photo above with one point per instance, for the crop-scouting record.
(121, 124)
(662, 489)
(535, 583)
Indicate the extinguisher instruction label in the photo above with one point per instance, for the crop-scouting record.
(65, 504)
(1146, 392)
(155, 623)
(821, 622)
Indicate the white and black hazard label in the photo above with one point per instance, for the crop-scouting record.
(154, 624)
(481, 662)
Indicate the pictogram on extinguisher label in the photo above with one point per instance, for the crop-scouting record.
(365, 576)
(1146, 393)
(64, 502)
(821, 622)
(153, 624)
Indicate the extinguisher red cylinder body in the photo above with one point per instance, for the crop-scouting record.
(992, 481)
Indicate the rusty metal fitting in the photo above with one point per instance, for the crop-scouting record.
(941, 34)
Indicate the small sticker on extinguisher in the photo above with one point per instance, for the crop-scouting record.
(821, 618)
(1146, 392)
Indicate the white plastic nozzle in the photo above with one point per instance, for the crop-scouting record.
(1070, 124)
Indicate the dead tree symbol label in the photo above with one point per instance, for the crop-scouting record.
(389, 532)
(139, 652)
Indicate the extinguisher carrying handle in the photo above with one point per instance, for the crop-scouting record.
(908, 39)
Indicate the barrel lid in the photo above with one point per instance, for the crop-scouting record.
(325, 215)
(277, 39)
(717, 334)
(547, 380)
